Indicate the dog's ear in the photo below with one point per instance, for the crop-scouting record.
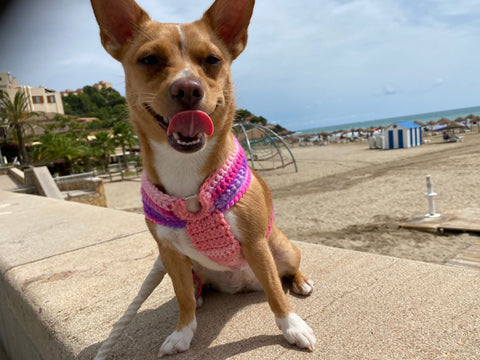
(118, 21)
(229, 19)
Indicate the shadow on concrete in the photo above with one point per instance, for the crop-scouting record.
(143, 338)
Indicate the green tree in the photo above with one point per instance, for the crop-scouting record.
(113, 97)
(63, 124)
(105, 104)
(259, 120)
(15, 115)
(280, 130)
(241, 115)
(105, 145)
(60, 149)
(124, 136)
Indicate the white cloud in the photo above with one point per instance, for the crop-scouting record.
(389, 90)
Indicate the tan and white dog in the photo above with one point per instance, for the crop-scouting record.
(177, 69)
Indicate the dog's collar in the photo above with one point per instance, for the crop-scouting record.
(209, 231)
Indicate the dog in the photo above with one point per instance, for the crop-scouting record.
(208, 212)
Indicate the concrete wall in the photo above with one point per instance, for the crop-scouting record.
(86, 191)
(69, 271)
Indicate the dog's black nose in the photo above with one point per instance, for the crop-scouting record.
(187, 91)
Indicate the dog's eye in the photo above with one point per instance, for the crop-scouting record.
(149, 60)
(212, 60)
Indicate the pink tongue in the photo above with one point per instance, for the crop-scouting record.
(190, 124)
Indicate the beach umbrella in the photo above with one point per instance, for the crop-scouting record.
(430, 125)
(453, 125)
(444, 121)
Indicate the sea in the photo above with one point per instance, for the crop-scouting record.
(423, 118)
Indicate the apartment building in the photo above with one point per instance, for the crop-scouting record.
(39, 99)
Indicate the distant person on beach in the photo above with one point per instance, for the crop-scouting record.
(445, 136)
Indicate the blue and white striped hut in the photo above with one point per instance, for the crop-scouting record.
(403, 134)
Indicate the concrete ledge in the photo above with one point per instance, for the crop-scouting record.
(45, 184)
(69, 271)
(17, 175)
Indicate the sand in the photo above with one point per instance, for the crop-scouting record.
(348, 196)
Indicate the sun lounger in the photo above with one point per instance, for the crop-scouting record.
(454, 138)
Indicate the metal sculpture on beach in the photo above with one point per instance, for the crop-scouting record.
(264, 148)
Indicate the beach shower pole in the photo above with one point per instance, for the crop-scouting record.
(431, 198)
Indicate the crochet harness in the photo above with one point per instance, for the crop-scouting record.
(208, 230)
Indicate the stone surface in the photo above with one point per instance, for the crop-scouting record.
(35, 227)
(364, 306)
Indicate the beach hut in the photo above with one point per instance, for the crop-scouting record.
(402, 134)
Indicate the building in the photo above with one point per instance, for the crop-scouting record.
(39, 99)
(102, 85)
(403, 134)
(99, 86)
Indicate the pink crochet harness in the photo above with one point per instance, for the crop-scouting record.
(209, 231)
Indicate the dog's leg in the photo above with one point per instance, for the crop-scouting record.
(287, 258)
(179, 268)
(294, 329)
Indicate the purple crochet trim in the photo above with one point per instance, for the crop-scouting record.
(235, 189)
(162, 219)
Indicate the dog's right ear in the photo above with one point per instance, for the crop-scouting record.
(118, 21)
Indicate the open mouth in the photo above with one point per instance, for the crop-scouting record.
(186, 130)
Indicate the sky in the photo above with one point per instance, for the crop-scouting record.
(307, 64)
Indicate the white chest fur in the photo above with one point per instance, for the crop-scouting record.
(178, 172)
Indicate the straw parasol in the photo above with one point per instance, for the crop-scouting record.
(324, 134)
(444, 121)
(453, 125)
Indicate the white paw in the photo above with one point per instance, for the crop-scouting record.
(178, 341)
(199, 301)
(296, 331)
(304, 288)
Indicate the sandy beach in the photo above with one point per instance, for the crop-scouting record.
(348, 196)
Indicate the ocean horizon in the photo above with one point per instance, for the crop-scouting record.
(424, 118)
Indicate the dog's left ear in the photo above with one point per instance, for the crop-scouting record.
(229, 19)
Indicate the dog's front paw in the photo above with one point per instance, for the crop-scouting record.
(199, 302)
(304, 287)
(178, 341)
(296, 331)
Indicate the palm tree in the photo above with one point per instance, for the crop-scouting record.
(105, 145)
(15, 114)
(123, 136)
(60, 149)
